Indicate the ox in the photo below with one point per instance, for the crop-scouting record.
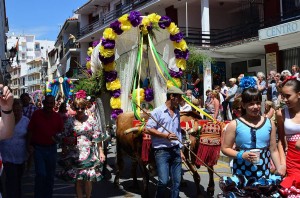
(131, 144)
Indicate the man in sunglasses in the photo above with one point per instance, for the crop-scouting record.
(44, 124)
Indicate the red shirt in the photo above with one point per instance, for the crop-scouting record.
(43, 127)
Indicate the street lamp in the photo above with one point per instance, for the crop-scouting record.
(7, 62)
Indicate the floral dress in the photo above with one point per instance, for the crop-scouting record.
(79, 157)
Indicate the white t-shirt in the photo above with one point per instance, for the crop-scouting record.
(185, 108)
(224, 90)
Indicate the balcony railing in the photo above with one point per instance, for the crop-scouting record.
(195, 35)
(71, 45)
(33, 82)
(110, 16)
(34, 70)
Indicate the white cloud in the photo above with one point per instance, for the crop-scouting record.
(41, 32)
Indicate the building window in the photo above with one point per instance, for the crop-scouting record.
(37, 47)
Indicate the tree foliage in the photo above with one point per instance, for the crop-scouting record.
(196, 59)
(92, 84)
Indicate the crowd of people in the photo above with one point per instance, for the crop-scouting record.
(31, 133)
(265, 114)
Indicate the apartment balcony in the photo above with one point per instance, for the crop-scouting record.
(70, 48)
(35, 70)
(33, 82)
(15, 76)
(217, 37)
(70, 45)
(111, 16)
(14, 87)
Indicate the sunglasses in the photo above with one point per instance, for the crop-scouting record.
(79, 108)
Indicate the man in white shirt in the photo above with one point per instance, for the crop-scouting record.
(224, 89)
(184, 107)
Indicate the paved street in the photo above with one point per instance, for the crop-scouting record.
(105, 188)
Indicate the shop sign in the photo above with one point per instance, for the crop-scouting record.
(279, 30)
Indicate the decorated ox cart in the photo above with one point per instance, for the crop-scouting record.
(139, 58)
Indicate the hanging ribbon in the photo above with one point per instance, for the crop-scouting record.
(161, 63)
(154, 58)
(137, 111)
(198, 109)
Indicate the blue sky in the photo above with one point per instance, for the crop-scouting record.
(39, 17)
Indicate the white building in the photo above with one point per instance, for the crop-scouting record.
(30, 51)
(243, 36)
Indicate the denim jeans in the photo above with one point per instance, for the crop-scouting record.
(45, 164)
(168, 162)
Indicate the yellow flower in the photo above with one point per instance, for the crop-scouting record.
(48, 90)
(72, 90)
(146, 22)
(173, 29)
(106, 52)
(88, 65)
(177, 81)
(181, 45)
(141, 97)
(115, 103)
(154, 18)
(90, 51)
(181, 63)
(109, 34)
(114, 85)
(125, 24)
(123, 18)
(144, 30)
(109, 67)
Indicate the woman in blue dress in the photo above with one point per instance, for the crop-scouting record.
(251, 131)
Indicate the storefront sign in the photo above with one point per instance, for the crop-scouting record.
(279, 30)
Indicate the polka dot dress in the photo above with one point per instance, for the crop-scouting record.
(248, 169)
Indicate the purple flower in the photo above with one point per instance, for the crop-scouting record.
(175, 74)
(177, 37)
(181, 54)
(149, 96)
(108, 44)
(116, 26)
(89, 71)
(95, 43)
(88, 59)
(150, 27)
(135, 18)
(116, 93)
(107, 60)
(115, 113)
(164, 22)
(110, 76)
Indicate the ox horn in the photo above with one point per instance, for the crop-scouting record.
(131, 130)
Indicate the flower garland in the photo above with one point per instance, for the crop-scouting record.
(53, 87)
(88, 58)
(146, 24)
(247, 82)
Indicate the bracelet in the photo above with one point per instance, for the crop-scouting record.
(239, 155)
(7, 112)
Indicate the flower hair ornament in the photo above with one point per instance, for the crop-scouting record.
(81, 94)
(247, 82)
(288, 79)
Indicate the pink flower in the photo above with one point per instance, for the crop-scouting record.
(81, 94)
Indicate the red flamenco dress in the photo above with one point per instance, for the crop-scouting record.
(291, 184)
